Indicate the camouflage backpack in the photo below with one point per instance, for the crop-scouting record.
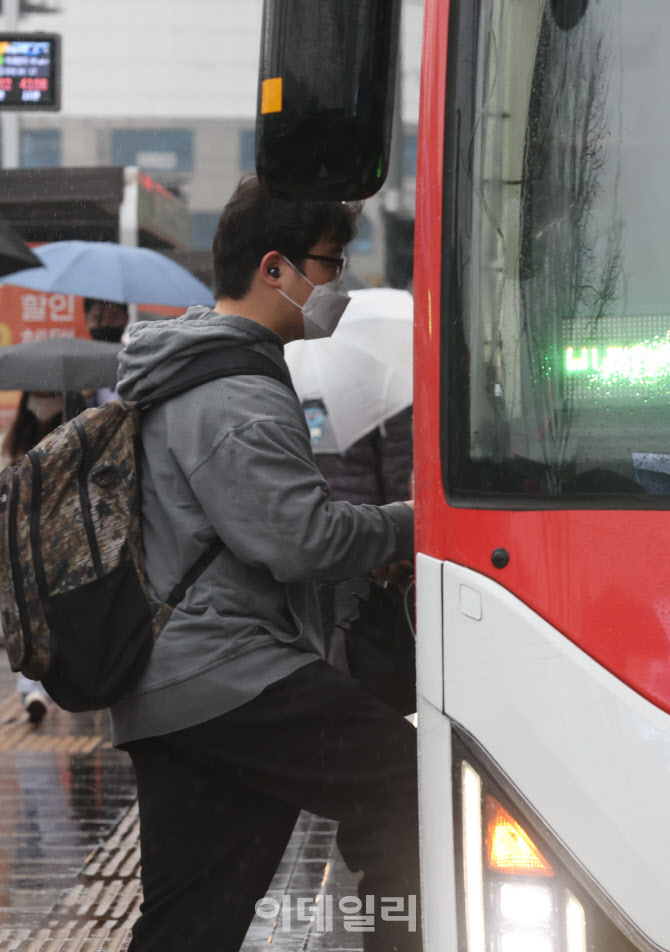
(74, 603)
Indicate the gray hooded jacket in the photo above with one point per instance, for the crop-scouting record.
(232, 458)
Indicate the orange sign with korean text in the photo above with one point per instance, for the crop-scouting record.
(34, 315)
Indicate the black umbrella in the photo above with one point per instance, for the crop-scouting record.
(15, 255)
(59, 364)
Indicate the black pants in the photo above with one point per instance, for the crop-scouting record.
(218, 803)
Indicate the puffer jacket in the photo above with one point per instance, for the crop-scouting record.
(377, 468)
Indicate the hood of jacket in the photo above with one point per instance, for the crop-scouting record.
(158, 349)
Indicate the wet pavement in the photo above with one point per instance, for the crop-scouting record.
(69, 848)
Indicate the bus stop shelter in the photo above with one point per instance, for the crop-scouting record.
(106, 203)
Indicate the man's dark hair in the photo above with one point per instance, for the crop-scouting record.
(253, 223)
(89, 302)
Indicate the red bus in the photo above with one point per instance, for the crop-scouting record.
(542, 449)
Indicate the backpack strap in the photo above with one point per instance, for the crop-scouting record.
(194, 573)
(224, 362)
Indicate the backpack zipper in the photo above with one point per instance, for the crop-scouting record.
(84, 498)
(17, 578)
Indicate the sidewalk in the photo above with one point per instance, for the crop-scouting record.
(69, 850)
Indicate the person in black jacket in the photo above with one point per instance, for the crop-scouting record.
(377, 468)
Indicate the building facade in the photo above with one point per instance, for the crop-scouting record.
(171, 87)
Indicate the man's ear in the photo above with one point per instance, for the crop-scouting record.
(271, 267)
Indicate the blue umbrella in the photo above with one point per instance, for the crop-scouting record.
(111, 272)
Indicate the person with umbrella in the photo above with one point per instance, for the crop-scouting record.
(356, 391)
(237, 722)
(355, 381)
(105, 321)
(38, 413)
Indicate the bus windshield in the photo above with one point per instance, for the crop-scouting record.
(557, 285)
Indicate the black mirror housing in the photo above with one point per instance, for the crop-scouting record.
(325, 99)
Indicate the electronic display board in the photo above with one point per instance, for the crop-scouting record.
(29, 71)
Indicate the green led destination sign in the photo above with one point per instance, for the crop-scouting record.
(619, 360)
(643, 363)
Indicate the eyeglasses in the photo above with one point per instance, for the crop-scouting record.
(338, 264)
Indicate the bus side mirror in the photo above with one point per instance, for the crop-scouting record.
(325, 99)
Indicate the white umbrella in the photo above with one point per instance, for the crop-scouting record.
(111, 272)
(353, 381)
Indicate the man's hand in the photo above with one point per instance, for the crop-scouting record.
(397, 573)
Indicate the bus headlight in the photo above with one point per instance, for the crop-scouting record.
(516, 893)
(525, 906)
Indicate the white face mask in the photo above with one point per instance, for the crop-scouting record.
(44, 408)
(323, 309)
